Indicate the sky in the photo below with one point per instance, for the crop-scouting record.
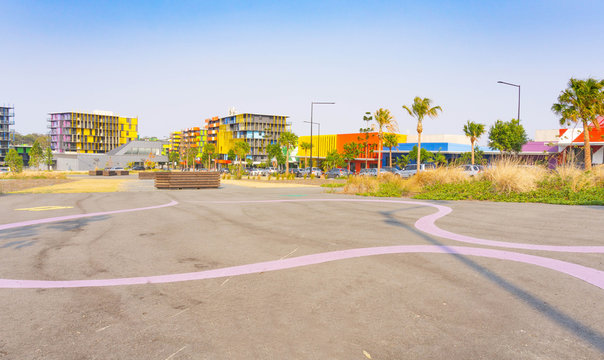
(175, 63)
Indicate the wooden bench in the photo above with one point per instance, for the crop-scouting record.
(187, 180)
(147, 175)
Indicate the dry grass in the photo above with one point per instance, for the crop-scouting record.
(374, 185)
(78, 186)
(510, 175)
(577, 179)
(34, 174)
(440, 175)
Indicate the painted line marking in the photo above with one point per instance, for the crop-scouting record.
(587, 274)
(426, 224)
(80, 216)
(45, 208)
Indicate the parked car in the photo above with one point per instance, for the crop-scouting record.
(258, 172)
(411, 170)
(271, 170)
(116, 168)
(336, 172)
(471, 170)
(316, 171)
(368, 172)
(138, 167)
(390, 169)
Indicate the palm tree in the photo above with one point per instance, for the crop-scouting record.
(582, 101)
(420, 109)
(390, 140)
(306, 147)
(289, 140)
(473, 131)
(383, 120)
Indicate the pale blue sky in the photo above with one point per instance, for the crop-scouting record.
(175, 63)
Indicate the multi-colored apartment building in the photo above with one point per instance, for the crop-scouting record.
(7, 115)
(90, 133)
(258, 130)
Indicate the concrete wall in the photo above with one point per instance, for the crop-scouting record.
(85, 162)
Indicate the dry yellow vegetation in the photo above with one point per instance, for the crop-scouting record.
(78, 186)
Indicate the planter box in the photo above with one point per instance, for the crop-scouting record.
(147, 175)
(109, 173)
(95, 172)
(122, 172)
(187, 180)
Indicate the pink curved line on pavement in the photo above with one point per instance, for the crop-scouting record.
(592, 276)
(79, 216)
(427, 225)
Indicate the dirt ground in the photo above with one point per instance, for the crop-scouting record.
(9, 185)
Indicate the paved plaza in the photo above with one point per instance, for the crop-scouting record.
(296, 273)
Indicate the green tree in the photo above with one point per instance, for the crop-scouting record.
(473, 131)
(383, 121)
(36, 155)
(231, 155)
(403, 161)
(14, 161)
(190, 156)
(333, 160)
(288, 140)
(210, 153)
(48, 158)
(420, 109)
(242, 148)
(352, 150)
(275, 155)
(582, 102)
(426, 156)
(507, 137)
(439, 158)
(173, 157)
(306, 147)
(390, 141)
(464, 158)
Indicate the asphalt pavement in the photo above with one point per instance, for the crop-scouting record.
(296, 273)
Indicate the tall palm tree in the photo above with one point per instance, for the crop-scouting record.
(473, 131)
(242, 148)
(383, 120)
(289, 140)
(420, 109)
(582, 101)
(306, 147)
(390, 140)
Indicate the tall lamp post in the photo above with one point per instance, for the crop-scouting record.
(319, 140)
(312, 104)
(518, 86)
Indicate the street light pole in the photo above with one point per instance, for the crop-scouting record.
(518, 86)
(319, 141)
(311, 123)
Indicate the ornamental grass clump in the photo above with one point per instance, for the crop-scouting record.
(508, 176)
(386, 185)
(440, 175)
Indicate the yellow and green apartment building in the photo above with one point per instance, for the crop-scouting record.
(90, 133)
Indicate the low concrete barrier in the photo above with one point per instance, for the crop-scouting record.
(95, 172)
(187, 180)
(109, 173)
